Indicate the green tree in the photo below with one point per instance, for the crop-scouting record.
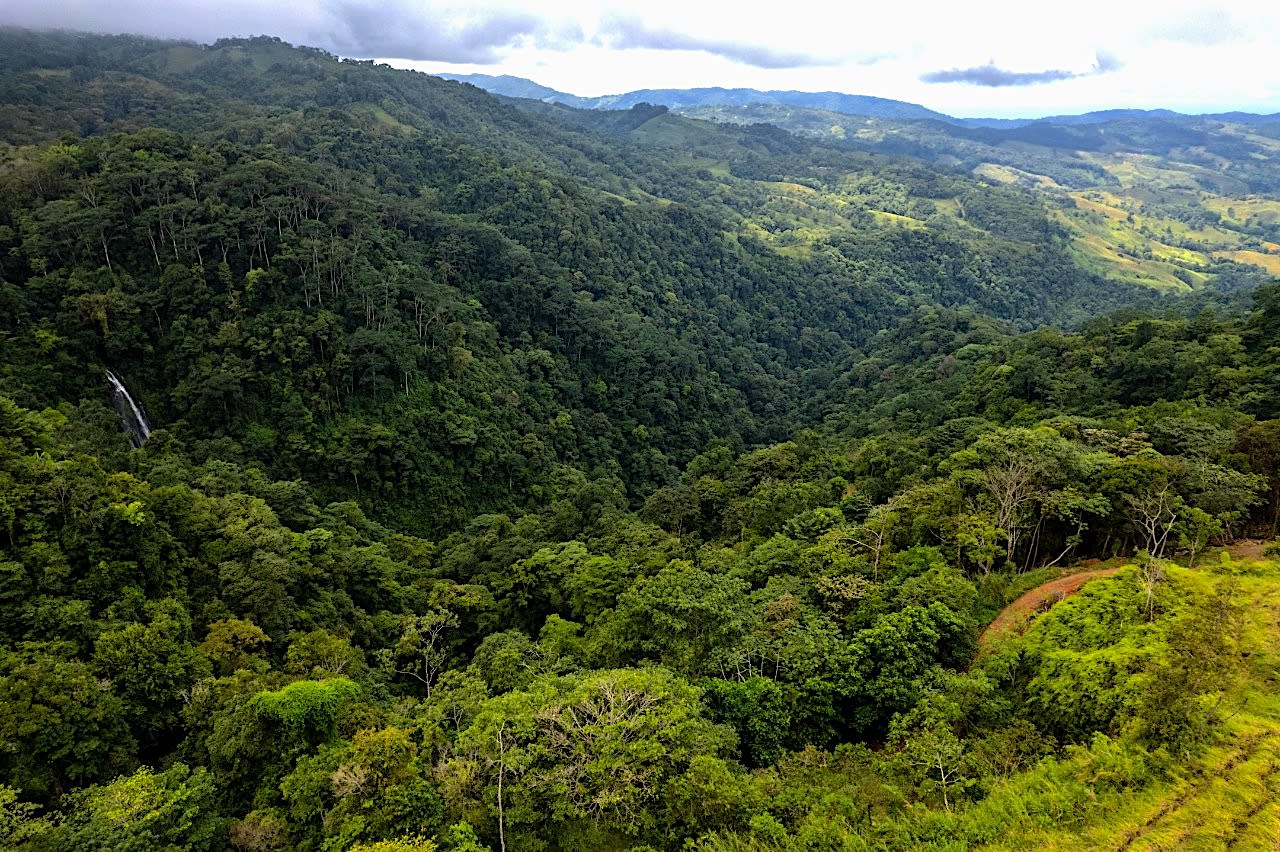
(584, 758)
(232, 645)
(22, 825)
(318, 654)
(760, 711)
(684, 617)
(979, 538)
(151, 667)
(373, 788)
(422, 650)
(1189, 687)
(927, 751)
(146, 810)
(62, 726)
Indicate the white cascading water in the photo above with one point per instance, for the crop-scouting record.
(132, 419)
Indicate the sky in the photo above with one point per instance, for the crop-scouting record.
(991, 58)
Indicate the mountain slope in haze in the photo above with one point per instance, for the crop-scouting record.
(518, 87)
(837, 102)
(1150, 198)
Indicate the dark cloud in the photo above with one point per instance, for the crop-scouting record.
(625, 32)
(994, 76)
(400, 29)
(405, 30)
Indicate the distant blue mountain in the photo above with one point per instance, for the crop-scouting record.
(518, 87)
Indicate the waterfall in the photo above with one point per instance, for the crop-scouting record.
(133, 421)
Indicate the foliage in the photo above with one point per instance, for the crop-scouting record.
(146, 810)
(306, 709)
(723, 471)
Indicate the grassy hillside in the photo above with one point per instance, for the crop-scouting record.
(1228, 795)
(1159, 202)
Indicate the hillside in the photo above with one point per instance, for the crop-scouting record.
(681, 99)
(1225, 797)
(867, 106)
(531, 477)
(1150, 200)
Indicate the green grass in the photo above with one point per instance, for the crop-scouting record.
(382, 119)
(1268, 261)
(1104, 255)
(1010, 174)
(1138, 230)
(1227, 797)
(183, 58)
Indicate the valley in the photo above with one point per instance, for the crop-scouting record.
(495, 473)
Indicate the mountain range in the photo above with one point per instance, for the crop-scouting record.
(848, 104)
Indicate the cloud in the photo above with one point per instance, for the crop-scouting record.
(443, 30)
(624, 33)
(409, 31)
(993, 76)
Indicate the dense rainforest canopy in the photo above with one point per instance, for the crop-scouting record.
(562, 480)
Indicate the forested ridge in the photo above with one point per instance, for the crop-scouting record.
(542, 479)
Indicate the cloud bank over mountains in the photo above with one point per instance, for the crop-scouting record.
(983, 57)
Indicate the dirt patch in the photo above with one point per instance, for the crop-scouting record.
(1248, 548)
(1016, 616)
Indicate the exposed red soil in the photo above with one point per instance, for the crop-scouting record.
(1015, 617)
